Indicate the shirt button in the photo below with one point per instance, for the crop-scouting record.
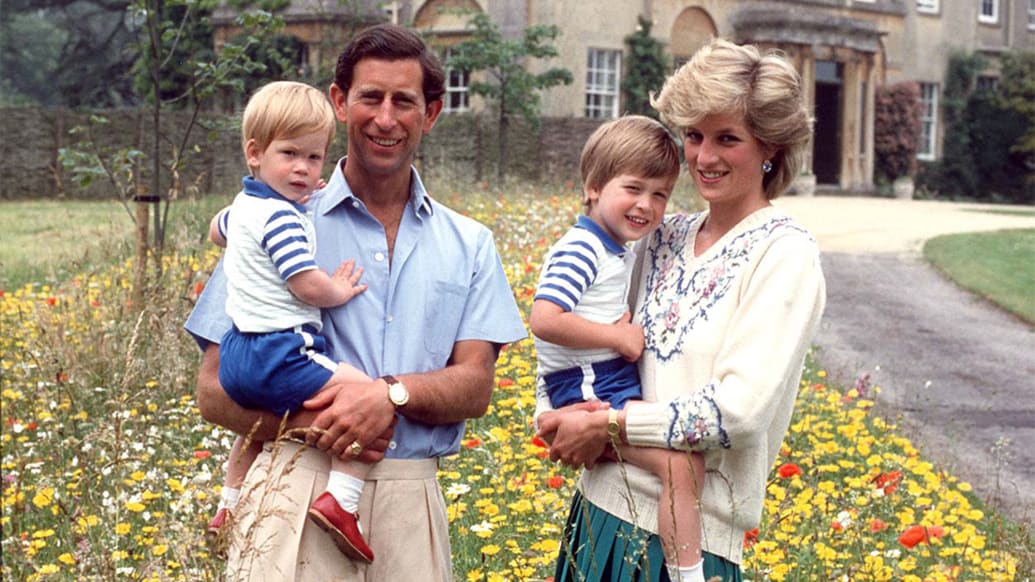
(355, 204)
(390, 318)
(379, 257)
(392, 445)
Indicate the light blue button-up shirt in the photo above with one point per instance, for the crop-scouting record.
(445, 284)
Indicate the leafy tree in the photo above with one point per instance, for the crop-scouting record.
(1018, 94)
(509, 85)
(69, 53)
(162, 39)
(646, 70)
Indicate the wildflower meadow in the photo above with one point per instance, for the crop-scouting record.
(110, 473)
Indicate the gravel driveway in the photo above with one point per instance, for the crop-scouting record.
(956, 372)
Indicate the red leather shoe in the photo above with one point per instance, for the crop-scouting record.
(343, 527)
(218, 522)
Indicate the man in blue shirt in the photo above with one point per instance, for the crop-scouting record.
(436, 311)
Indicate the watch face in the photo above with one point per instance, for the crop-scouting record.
(398, 394)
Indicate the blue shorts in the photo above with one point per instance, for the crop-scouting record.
(614, 381)
(275, 371)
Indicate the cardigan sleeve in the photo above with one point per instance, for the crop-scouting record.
(778, 313)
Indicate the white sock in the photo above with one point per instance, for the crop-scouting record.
(346, 490)
(693, 573)
(228, 497)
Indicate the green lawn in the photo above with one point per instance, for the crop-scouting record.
(997, 265)
(46, 241)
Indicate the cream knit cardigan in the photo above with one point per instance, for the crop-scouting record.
(726, 336)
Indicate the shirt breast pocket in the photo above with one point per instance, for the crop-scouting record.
(444, 309)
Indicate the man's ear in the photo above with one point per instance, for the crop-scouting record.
(432, 111)
(339, 100)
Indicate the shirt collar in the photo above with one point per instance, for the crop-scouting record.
(260, 189)
(609, 243)
(338, 191)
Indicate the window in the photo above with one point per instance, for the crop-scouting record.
(456, 98)
(987, 83)
(988, 11)
(928, 120)
(1031, 14)
(927, 6)
(602, 82)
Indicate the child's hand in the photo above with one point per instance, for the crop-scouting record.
(346, 278)
(630, 336)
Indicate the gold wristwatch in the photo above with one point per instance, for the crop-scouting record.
(397, 392)
(614, 431)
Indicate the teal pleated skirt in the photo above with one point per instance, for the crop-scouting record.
(599, 547)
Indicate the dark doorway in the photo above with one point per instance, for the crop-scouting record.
(826, 145)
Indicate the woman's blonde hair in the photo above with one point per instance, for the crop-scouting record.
(285, 110)
(765, 90)
(632, 144)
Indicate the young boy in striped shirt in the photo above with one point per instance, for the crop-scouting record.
(586, 343)
(273, 357)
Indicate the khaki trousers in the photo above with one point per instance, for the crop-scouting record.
(402, 512)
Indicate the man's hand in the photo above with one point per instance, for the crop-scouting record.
(577, 433)
(347, 413)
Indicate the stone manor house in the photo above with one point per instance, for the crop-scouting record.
(844, 49)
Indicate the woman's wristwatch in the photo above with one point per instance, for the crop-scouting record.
(614, 430)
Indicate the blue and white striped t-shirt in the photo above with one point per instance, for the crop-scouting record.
(585, 272)
(269, 239)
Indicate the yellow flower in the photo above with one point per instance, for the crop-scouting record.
(490, 550)
(43, 497)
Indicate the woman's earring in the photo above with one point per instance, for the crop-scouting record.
(767, 166)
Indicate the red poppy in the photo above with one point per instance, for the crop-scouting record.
(555, 482)
(471, 443)
(504, 382)
(52, 300)
(202, 454)
(888, 481)
(750, 537)
(539, 442)
(836, 525)
(918, 534)
(877, 525)
(788, 470)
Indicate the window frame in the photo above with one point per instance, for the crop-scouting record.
(985, 18)
(927, 6)
(927, 148)
(602, 99)
(461, 90)
(1031, 14)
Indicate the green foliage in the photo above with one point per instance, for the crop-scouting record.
(896, 129)
(508, 83)
(646, 70)
(989, 144)
(1017, 88)
(174, 36)
(69, 53)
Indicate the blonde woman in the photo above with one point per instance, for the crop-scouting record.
(729, 300)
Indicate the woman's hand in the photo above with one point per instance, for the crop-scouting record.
(577, 433)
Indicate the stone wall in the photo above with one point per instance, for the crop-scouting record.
(462, 146)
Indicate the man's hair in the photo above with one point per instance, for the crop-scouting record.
(285, 110)
(764, 90)
(392, 43)
(635, 145)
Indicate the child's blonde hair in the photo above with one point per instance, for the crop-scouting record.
(633, 144)
(285, 110)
